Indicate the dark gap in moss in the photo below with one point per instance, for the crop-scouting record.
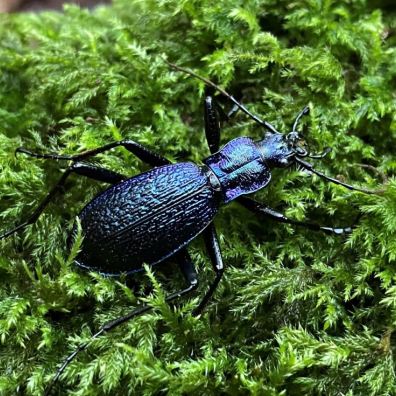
(274, 23)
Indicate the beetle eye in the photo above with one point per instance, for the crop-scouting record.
(292, 137)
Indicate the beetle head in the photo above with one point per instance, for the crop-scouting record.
(281, 150)
(295, 140)
(297, 144)
(276, 150)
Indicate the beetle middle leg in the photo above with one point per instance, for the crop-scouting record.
(213, 248)
(143, 153)
(80, 168)
(259, 208)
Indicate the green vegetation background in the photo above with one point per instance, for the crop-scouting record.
(298, 312)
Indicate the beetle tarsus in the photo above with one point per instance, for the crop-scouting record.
(25, 151)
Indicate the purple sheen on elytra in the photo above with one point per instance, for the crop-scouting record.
(146, 219)
(240, 168)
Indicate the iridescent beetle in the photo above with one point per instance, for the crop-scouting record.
(153, 216)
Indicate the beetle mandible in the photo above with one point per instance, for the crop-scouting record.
(153, 216)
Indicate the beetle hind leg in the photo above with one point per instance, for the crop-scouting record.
(83, 169)
(187, 267)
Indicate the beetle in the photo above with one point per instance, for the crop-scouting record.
(153, 216)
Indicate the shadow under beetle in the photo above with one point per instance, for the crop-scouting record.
(153, 216)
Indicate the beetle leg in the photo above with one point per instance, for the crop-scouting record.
(223, 115)
(187, 267)
(84, 169)
(212, 111)
(212, 245)
(184, 260)
(257, 207)
(212, 124)
(143, 153)
(265, 124)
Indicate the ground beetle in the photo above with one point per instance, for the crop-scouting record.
(154, 216)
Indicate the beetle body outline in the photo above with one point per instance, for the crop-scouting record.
(241, 167)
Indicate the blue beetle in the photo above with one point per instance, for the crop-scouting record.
(153, 216)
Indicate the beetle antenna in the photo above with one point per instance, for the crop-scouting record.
(308, 166)
(303, 112)
(265, 124)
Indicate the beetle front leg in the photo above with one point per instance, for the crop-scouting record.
(83, 169)
(212, 111)
(303, 112)
(259, 208)
(212, 124)
(212, 245)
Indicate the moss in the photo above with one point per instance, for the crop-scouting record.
(297, 312)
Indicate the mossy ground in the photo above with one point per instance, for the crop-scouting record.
(298, 312)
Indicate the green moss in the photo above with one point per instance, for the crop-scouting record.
(297, 312)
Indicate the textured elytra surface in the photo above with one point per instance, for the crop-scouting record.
(145, 219)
